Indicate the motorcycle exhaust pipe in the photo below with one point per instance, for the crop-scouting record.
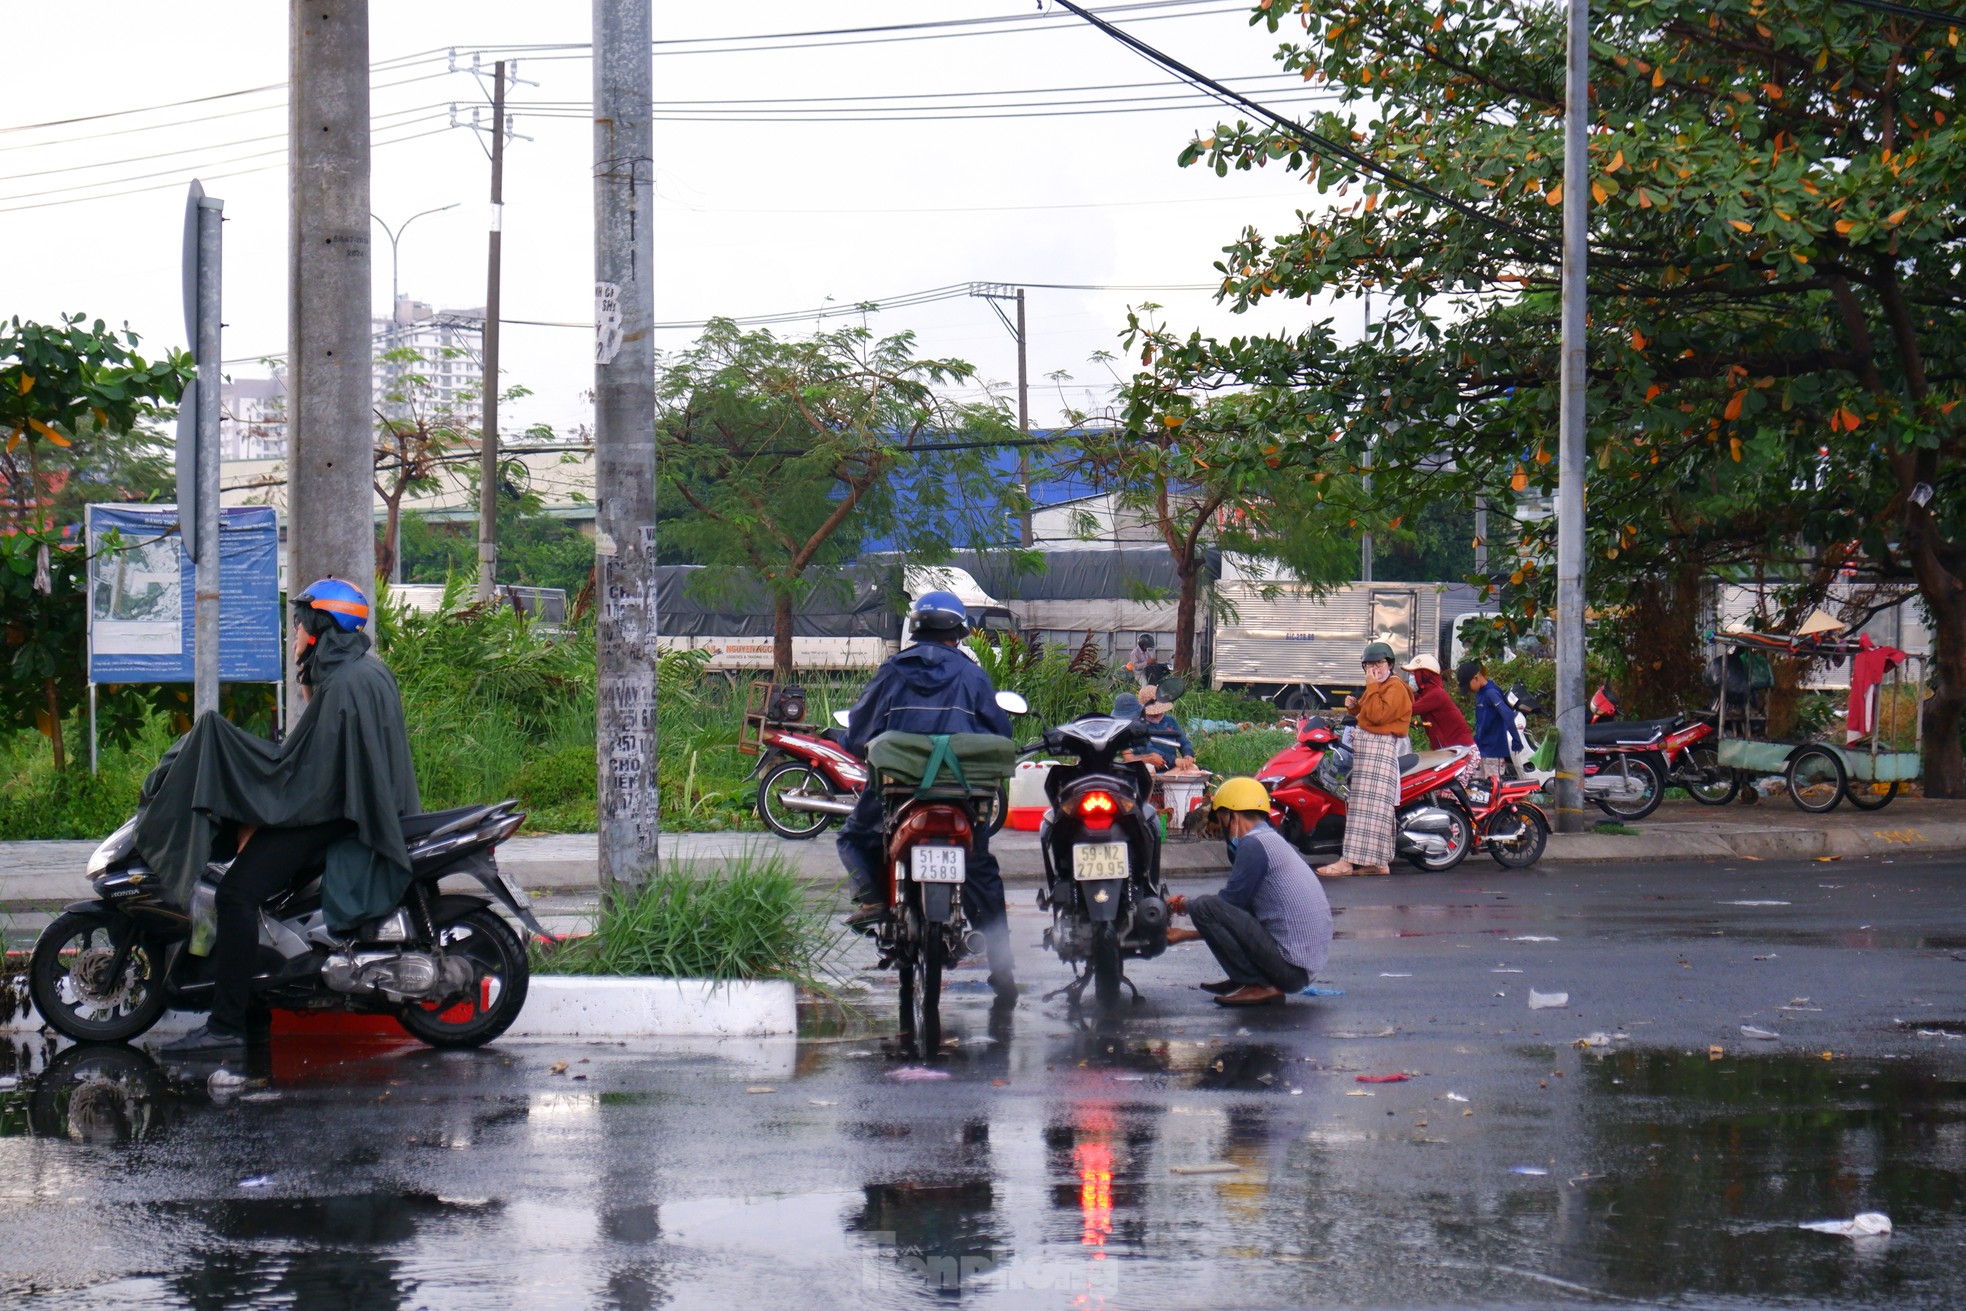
(1427, 844)
(807, 801)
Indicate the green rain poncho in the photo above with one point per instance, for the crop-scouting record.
(348, 757)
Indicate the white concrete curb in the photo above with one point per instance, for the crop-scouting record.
(585, 1006)
(577, 1006)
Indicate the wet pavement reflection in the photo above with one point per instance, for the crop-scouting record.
(1633, 1145)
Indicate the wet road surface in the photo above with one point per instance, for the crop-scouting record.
(1175, 1156)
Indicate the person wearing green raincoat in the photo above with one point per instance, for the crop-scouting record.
(333, 792)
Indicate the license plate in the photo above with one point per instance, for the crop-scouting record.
(937, 864)
(1105, 860)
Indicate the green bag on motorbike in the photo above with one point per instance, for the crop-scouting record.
(1545, 757)
(969, 762)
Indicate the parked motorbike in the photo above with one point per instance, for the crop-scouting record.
(1689, 765)
(1507, 824)
(809, 780)
(1624, 764)
(929, 836)
(445, 965)
(1308, 783)
(1102, 855)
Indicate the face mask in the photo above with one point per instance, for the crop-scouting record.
(1232, 844)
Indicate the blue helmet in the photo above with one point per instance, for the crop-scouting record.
(940, 612)
(339, 601)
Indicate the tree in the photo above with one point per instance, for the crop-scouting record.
(791, 453)
(413, 437)
(1775, 303)
(1201, 470)
(72, 397)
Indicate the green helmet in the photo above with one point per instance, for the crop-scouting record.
(1376, 651)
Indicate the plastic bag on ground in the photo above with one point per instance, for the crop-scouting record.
(1865, 1224)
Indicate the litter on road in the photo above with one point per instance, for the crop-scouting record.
(1534, 1170)
(1751, 903)
(1382, 1078)
(917, 1074)
(1216, 1167)
(1455, 1097)
(1530, 937)
(1761, 1035)
(1865, 1224)
(1544, 1001)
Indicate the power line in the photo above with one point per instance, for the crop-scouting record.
(1365, 163)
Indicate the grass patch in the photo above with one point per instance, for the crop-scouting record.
(748, 918)
(1611, 828)
(1241, 753)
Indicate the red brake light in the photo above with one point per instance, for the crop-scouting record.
(1098, 809)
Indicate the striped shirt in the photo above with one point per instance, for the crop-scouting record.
(1272, 882)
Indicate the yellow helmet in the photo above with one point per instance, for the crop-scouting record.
(1241, 794)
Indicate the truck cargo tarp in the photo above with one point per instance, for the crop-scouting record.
(1127, 573)
(689, 603)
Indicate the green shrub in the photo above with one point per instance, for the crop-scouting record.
(1241, 753)
(746, 919)
(1224, 703)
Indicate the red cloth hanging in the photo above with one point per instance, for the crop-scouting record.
(1867, 670)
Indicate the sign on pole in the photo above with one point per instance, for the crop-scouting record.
(141, 588)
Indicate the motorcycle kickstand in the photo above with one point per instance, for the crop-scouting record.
(1075, 990)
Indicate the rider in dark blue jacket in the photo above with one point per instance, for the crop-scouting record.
(929, 687)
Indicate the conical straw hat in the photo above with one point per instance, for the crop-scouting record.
(1820, 621)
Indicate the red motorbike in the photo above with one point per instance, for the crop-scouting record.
(1308, 783)
(1507, 825)
(1673, 744)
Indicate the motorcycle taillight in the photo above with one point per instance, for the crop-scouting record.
(1098, 810)
(935, 822)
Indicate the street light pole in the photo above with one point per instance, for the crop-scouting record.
(395, 292)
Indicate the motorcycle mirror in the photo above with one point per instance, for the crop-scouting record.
(1171, 687)
(841, 718)
(1013, 704)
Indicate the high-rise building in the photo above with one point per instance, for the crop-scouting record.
(252, 421)
(444, 348)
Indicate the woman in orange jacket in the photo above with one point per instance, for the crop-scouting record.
(1384, 710)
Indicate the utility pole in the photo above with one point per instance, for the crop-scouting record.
(331, 447)
(488, 445)
(1481, 536)
(1365, 538)
(395, 237)
(1570, 711)
(994, 292)
(624, 443)
(207, 217)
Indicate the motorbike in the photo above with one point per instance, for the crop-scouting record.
(1624, 763)
(1689, 765)
(808, 780)
(1102, 855)
(1507, 824)
(929, 835)
(1308, 784)
(446, 965)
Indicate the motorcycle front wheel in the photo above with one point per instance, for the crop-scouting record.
(792, 776)
(69, 981)
(503, 976)
(1704, 779)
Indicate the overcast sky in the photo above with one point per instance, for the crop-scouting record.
(754, 216)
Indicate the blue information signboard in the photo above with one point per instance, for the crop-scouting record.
(141, 589)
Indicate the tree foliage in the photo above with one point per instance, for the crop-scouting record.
(1775, 341)
(790, 454)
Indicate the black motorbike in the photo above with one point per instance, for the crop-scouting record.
(1102, 846)
(446, 965)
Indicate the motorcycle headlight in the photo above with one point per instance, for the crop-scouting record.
(114, 847)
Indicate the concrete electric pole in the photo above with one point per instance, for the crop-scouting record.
(1570, 693)
(624, 442)
(994, 292)
(488, 443)
(207, 216)
(330, 455)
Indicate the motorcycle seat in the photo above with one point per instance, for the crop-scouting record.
(1411, 763)
(419, 826)
(1631, 730)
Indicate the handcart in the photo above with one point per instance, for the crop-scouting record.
(1865, 768)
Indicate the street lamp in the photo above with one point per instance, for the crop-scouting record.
(394, 237)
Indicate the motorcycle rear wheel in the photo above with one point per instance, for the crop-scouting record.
(1460, 841)
(84, 941)
(1645, 772)
(1704, 779)
(793, 776)
(1106, 965)
(921, 992)
(1526, 849)
(504, 973)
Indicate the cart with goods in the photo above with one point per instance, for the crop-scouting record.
(1867, 766)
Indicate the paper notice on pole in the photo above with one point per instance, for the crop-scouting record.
(136, 601)
(607, 321)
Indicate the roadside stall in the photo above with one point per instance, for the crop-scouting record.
(1867, 767)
